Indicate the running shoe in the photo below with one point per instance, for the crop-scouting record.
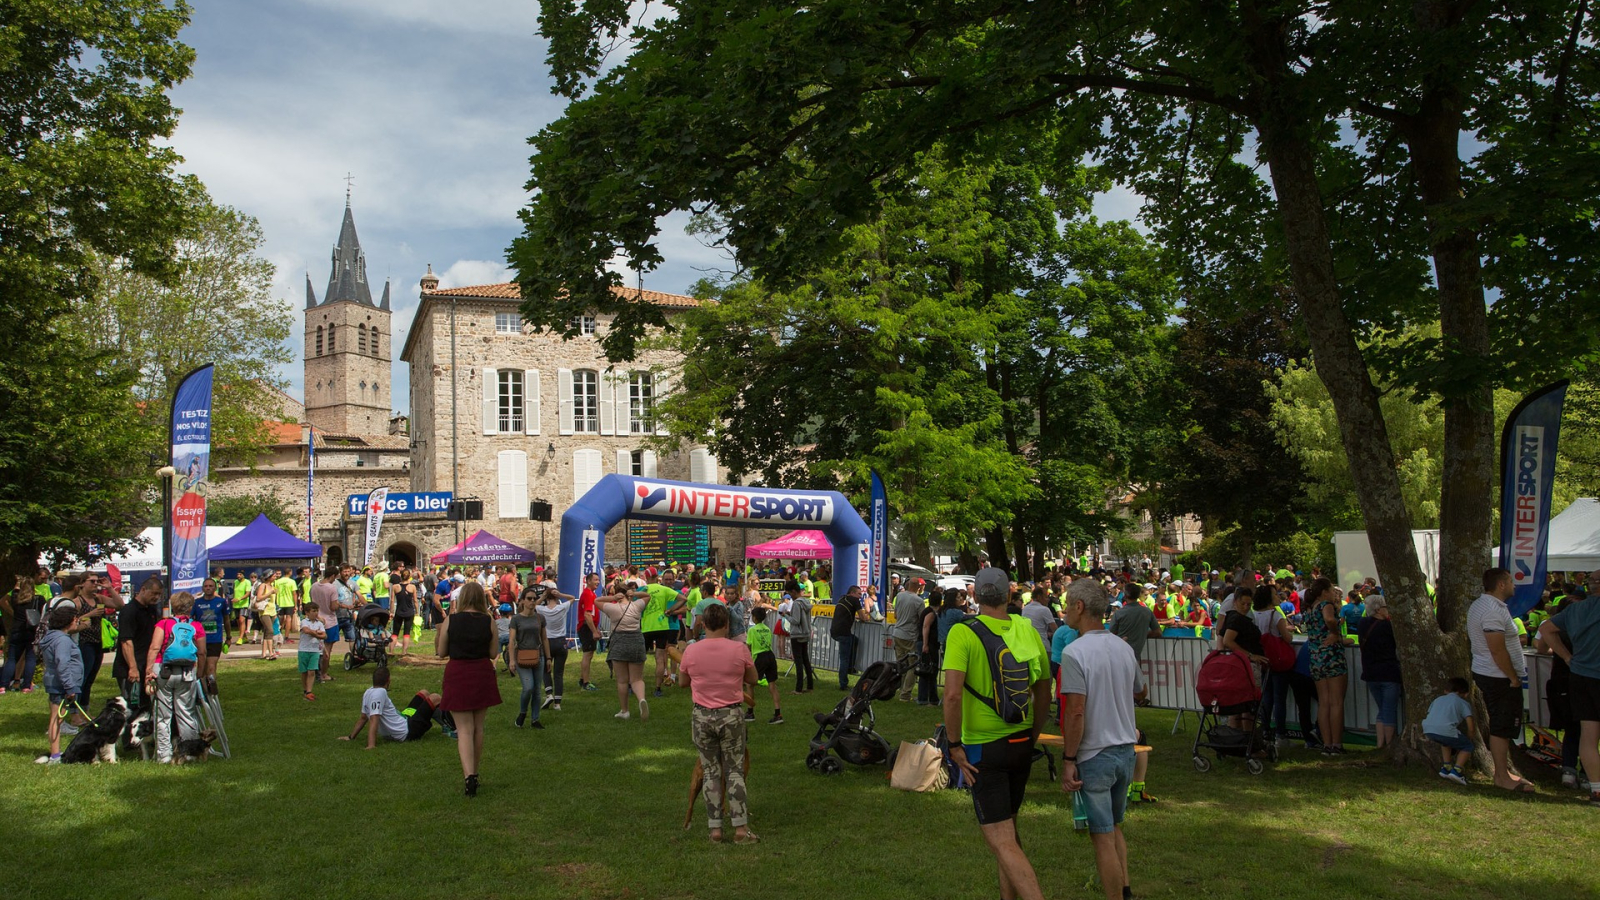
(623, 714)
(589, 686)
(644, 710)
(67, 728)
(1456, 775)
(749, 715)
(775, 720)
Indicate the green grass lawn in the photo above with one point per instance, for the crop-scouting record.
(593, 807)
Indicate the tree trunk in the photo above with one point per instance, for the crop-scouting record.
(1340, 364)
(921, 551)
(995, 543)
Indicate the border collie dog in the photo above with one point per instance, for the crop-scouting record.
(96, 741)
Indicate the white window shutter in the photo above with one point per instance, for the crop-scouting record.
(604, 388)
(663, 385)
(564, 398)
(624, 462)
(624, 405)
(530, 401)
(649, 464)
(491, 401)
(512, 498)
(586, 472)
(697, 466)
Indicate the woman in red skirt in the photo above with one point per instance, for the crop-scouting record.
(467, 640)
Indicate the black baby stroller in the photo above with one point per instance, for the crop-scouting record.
(372, 638)
(1227, 685)
(847, 731)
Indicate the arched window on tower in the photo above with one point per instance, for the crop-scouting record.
(375, 341)
(319, 340)
(361, 338)
(331, 346)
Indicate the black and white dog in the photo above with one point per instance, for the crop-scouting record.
(140, 733)
(96, 741)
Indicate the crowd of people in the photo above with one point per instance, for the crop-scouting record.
(1012, 656)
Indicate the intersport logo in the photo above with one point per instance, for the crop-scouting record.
(722, 504)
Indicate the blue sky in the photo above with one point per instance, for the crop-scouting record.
(427, 104)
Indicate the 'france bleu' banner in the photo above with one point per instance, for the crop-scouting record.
(1527, 473)
(190, 445)
(880, 538)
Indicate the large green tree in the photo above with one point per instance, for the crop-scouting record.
(217, 307)
(965, 344)
(84, 172)
(1334, 132)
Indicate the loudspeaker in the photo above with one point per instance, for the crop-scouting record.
(539, 510)
(452, 511)
(472, 510)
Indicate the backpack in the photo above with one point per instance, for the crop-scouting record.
(1013, 680)
(182, 649)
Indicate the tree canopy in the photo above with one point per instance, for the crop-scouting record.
(1393, 162)
(84, 172)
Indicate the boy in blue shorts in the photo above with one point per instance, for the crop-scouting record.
(1449, 724)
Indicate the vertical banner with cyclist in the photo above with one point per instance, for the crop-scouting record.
(190, 456)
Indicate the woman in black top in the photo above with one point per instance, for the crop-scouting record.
(404, 591)
(1240, 634)
(467, 639)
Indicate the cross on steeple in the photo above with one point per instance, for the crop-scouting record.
(348, 181)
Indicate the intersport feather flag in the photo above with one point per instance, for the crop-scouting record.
(1527, 474)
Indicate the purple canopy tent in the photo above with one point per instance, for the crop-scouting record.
(483, 547)
(262, 540)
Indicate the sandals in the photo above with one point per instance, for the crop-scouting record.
(749, 837)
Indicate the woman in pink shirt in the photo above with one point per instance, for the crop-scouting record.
(716, 670)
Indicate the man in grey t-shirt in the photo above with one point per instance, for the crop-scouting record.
(1039, 613)
(908, 606)
(1498, 669)
(1134, 623)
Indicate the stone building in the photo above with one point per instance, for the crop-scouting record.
(360, 442)
(508, 416)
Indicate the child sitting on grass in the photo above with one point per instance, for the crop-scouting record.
(1449, 724)
(378, 713)
(63, 673)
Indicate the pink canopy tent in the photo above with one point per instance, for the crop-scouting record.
(483, 547)
(794, 545)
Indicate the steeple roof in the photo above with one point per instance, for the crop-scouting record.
(348, 280)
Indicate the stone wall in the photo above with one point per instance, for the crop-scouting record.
(548, 454)
(333, 485)
(347, 389)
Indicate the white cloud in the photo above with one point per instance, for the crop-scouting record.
(468, 272)
(481, 16)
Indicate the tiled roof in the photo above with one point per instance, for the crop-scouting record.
(512, 291)
(328, 441)
(284, 434)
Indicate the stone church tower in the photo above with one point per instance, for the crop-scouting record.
(348, 345)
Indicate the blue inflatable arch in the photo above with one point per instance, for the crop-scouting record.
(617, 497)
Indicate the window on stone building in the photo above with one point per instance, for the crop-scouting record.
(508, 323)
(361, 338)
(319, 340)
(374, 339)
(586, 401)
(584, 324)
(641, 403)
(331, 347)
(510, 400)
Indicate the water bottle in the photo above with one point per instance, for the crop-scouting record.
(1080, 814)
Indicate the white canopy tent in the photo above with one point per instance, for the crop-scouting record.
(1575, 537)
